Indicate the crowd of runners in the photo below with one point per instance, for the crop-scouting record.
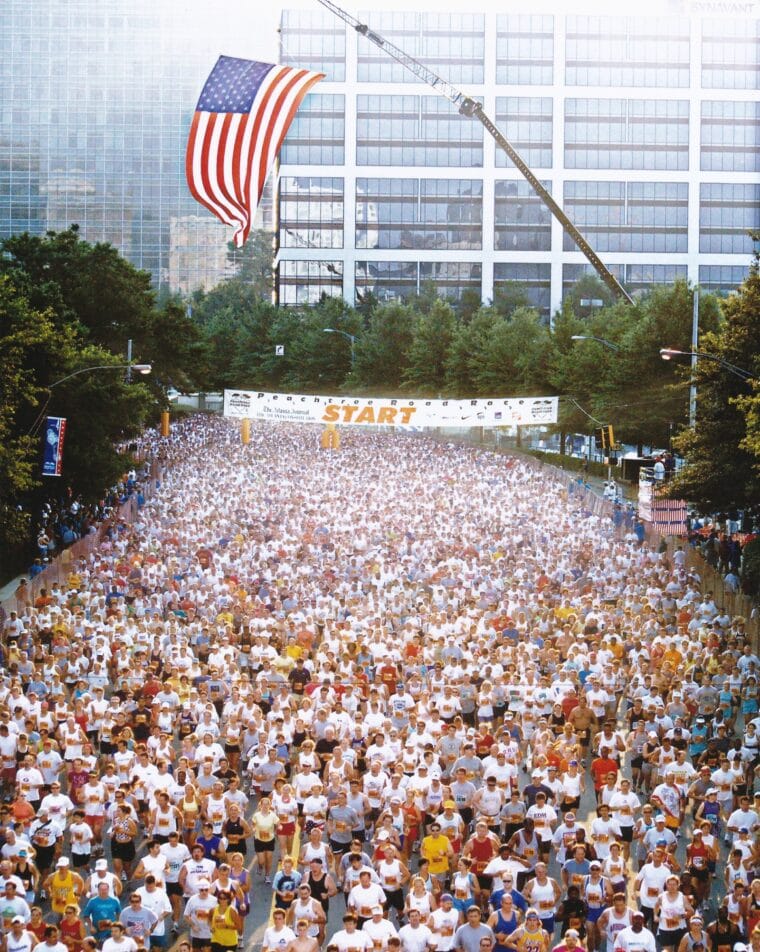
(410, 681)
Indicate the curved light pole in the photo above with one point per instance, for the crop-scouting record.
(599, 340)
(139, 368)
(667, 353)
(350, 337)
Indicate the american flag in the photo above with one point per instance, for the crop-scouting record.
(242, 116)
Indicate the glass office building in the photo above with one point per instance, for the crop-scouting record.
(646, 129)
(97, 101)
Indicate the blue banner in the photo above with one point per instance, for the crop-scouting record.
(52, 459)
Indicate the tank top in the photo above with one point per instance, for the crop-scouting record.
(672, 913)
(223, 931)
(482, 852)
(527, 849)
(615, 925)
(315, 852)
(421, 904)
(593, 893)
(71, 930)
(318, 891)
(542, 897)
(62, 893)
(165, 822)
(691, 941)
(507, 926)
(305, 910)
(390, 875)
(461, 886)
(531, 941)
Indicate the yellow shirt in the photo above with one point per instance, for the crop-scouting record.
(435, 849)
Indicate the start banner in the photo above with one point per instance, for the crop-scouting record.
(389, 411)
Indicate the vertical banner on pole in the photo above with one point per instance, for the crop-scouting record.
(165, 428)
(245, 432)
(52, 458)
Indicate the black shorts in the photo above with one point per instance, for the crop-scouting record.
(670, 937)
(626, 834)
(200, 943)
(79, 860)
(263, 846)
(218, 947)
(339, 848)
(123, 851)
(395, 899)
(173, 889)
(636, 763)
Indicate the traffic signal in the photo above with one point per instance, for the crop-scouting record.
(604, 437)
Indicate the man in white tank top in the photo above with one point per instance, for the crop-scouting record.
(613, 920)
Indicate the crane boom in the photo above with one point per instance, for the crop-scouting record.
(468, 106)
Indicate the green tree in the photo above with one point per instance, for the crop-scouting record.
(721, 472)
(92, 285)
(382, 351)
(469, 349)
(429, 349)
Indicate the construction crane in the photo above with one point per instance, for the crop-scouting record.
(468, 106)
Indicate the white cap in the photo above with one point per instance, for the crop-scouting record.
(101, 864)
(63, 861)
(204, 884)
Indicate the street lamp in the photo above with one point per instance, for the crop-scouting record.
(667, 353)
(139, 368)
(599, 340)
(350, 337)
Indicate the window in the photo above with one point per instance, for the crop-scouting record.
(626, 134)
(731, 54)
(316, 136)
(727, 212)
(412, 213)
(627, 51)
(730, 140)
(399, 280)
(526, 121)
(535, 278)
(415, 130)
(634, 277)
(521, 220)
(314, 40)
(311, 212)
(628, 216)
(451, 44)
(305, 282)
(722, 279)
(524, 49)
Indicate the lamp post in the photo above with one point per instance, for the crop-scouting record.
(667, 353)
(143, 369)
(599, 340)
(350, 337)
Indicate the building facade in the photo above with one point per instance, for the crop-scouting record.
(646, 129)
(97, 101)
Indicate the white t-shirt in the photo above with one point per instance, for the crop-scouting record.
(415, 940)
(630, 941)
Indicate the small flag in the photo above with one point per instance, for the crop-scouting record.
(52, 454)
(242, 116)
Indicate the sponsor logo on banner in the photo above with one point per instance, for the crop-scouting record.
(52, 455)
(379, 411)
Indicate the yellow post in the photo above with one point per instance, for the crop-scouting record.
(245, 431)
(165, 427)
(330, 439)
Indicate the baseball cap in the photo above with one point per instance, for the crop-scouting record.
(573, 933)
(17, 919)
(447, 896)
(449, 805)
(377, 910)
(63, 861)
(101, 864)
